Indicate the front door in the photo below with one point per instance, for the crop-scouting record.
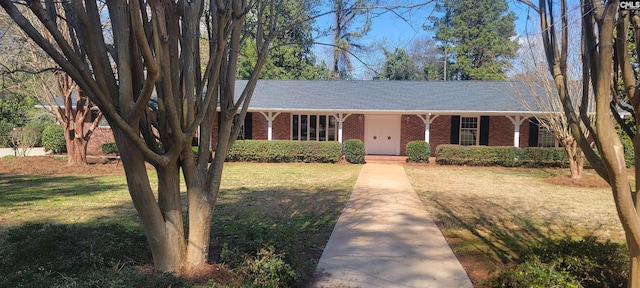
(382, 134)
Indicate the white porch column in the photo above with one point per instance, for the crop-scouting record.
(270, 117)
(516, 121)
(341, 117)
(427, 123)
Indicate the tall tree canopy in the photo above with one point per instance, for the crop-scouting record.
(291, 56)
(141, 63)
(477, 34)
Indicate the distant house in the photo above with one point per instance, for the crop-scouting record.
(386, 115)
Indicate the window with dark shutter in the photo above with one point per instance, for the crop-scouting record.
(533, 132)
(248, 123)
(484, 130)
(455, 130)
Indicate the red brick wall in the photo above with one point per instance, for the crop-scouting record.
(524, 134)
(411, 129)
(500, 131)
(259, 126)
(439, 132)
(353, 127)
(100, 136)
(282, 127)
(214, 133)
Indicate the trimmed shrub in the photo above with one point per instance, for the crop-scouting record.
(477, 155)
(544, 157)
(110, 147)
(41, 121)
(53, 139)
(629, 153)
(195, 150)
(354, 151)
(285, 151)
(418, 151)
(506, 156)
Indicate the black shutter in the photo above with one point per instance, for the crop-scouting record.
(455, 130)
(484, 130)
(533, 132)
(247, 125)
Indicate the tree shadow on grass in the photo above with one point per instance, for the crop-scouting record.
(515, 238)
(17, 189)
(292, 225)
(279, 229)
(77, 255)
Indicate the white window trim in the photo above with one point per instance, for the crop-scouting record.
(317, 136)
(555, 141)
(477, 130)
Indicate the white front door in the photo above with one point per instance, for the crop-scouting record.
(382, 134)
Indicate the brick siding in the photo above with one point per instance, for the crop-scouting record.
(100, 136)
(282, 127)
(411, 129)
(500, 131)
(259, 126)
(439, 132)
(353, 127)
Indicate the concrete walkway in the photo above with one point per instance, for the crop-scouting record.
(385, 238)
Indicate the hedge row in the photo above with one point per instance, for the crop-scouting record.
(501, 156)
(285, 151)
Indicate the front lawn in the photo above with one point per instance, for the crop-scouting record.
(80, 230)
(493, 217)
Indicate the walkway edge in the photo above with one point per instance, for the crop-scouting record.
(385, 238)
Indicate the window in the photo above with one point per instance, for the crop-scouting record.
(313, 127)
(545, 137)
(245, 129)
(468, 131)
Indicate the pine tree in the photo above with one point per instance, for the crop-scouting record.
(478, 35)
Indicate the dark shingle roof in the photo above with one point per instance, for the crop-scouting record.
(388, 96)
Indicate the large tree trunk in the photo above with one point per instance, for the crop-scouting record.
(161, 220)
(204, 200)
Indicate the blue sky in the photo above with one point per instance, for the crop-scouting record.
(394, 32)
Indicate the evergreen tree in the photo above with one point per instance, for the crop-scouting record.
(291, 56)
(477, 34)
(398, 66)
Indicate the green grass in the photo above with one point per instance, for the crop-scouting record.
(270, 226)
(494, 217)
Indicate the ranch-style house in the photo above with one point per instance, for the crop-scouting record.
(386, 115)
